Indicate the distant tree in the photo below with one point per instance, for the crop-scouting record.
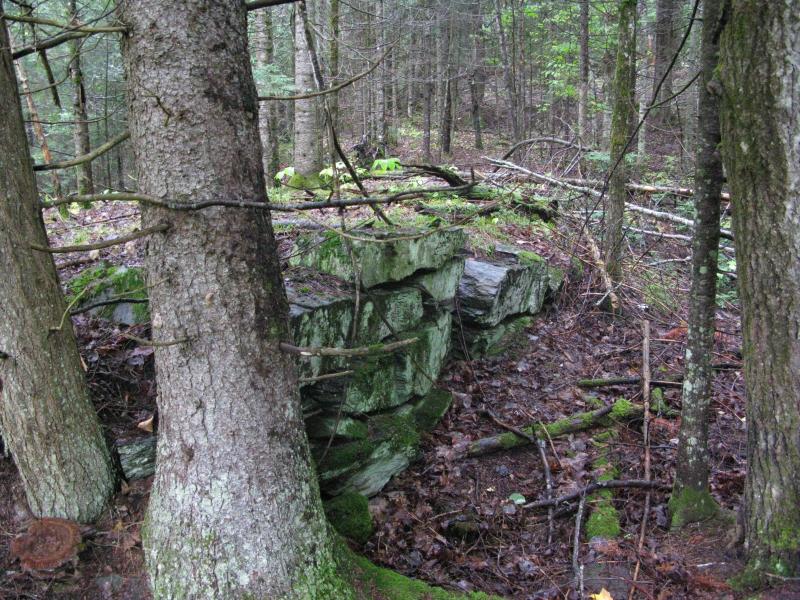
(691, 499)
(46, 417)
(81, 136)
(307, 122)
(760, 54)
(622, 116)
(235, 510)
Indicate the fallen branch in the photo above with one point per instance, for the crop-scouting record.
(656, 214)
(621, 410)
(361, 351)
(545, 140)
(645, 188)
(105, 243)
(611, 484)
(595, 383)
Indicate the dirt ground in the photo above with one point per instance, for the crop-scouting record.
(449, 519)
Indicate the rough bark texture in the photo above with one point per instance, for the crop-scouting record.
(235, 510)
(307, 131)
(80, 134)
(46, 417)
(760, 54)
(623, 111)
(691, 500)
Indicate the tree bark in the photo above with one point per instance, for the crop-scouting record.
(307, 131)
(623, 111)
(46, 417)
(760, 51)
(508, 70)
(80, 135)
(691, 499)
(235, 509)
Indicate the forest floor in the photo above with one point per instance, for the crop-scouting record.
(455, 521)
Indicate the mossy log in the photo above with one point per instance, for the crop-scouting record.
(621, 410)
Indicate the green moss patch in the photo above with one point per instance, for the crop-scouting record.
(349, 516)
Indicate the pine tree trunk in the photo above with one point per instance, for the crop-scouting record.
(46, 417)
(85, 179)
(691, 499)
(760, 51)
(508, 69)
(235, 509)
(307, 132)
(623, 111)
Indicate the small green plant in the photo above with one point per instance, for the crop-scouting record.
(385, 165)
(284, 174)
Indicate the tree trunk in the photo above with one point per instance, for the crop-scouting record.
(691, 499)
(667, 12)
(508, 70)
(46, 417)
(307, 131)
(623, 111)
(267, 117)
(36, 122)
(583, 84)
(235, 509)
(85, 179)
(333, 59)
(760, 51)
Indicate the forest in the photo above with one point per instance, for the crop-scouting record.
(397, 300)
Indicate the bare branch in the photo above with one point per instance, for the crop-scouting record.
(65, 26)
(362, 351)
(256, 4)
(105, 243)
(79, 160)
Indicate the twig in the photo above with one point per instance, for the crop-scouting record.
(330, 90)
(105, 243)
(610, 484)
(548, 480)
(577, 567)
(361, 351)
(326, 376)
(646, 435)
(108, 302)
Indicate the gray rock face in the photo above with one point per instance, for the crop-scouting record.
(440, 285)
(395, 255)
(490, 341)
(508, 285)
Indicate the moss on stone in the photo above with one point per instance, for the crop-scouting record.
(106, 282)
(341, 459)
(431, 408)
(383, 583)
(349, 516)
(689, 505)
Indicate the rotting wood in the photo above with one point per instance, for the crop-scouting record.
(621, 410)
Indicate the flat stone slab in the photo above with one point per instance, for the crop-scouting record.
(392, 257)
(509, 284)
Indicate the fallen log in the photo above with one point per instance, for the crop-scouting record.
(594, 383)
(656, 214)
(621, 410)
(645, 188)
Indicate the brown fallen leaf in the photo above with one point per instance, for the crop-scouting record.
(146, 425)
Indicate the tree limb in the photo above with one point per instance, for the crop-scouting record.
(79, 160)
(105, 243)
